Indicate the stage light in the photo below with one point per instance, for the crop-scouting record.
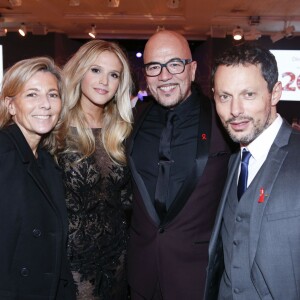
(15, 2)
(139, 54)
(252, 35)
(277, 36)
(23, 29)
(173, 3)
(289, 31)
(237, 33)
(3, 31)
(93, 33)
(160, 28)
(254, 20)
(113, 3)
(74, 2)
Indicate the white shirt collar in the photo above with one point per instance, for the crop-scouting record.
(260, 147)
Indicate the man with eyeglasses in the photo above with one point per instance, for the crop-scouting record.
(178, 159)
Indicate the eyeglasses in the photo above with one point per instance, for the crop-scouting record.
(174, 66)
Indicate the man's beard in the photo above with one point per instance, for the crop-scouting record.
(251, 136)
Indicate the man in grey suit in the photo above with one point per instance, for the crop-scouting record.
(254, 251)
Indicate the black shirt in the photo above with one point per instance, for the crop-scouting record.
(183, 144)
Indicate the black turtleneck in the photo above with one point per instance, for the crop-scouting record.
(183, 144)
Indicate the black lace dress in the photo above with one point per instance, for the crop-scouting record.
(98, 199)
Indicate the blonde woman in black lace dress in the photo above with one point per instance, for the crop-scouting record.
(98, 85)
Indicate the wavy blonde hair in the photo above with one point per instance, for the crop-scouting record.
(117, 112)
(13, 82)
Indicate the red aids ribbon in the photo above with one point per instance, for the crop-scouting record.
(203, 136)
(261, 198)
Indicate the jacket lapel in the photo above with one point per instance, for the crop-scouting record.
(232, 167)
(265, 179)
(34, 172)
(25, 152)
(203, 145)
(140, 111)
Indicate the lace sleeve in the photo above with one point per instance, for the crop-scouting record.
(126, 192)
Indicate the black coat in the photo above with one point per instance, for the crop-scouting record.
(33, 224)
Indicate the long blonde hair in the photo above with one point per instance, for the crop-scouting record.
(13, 82)
(117, 113)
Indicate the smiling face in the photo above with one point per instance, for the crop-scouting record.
(101, 81)
(244, 104)
(36, 108)
(169, 90)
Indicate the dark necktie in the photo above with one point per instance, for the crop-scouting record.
(164, 165)
(242, 184)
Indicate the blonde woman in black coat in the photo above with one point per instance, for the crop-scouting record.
(33, 218)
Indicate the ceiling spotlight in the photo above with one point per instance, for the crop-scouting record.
(15, 2)
(277, 36)
(286, 33)
(113, 3)
(160, 28)
(3, 31)
(289, 31)
(23, 29)
(173, 3)
(254, 20)
(74, 2)
(237, 33)
(93, 33)
(252, 35)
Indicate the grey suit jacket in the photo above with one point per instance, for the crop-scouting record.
(274, 238)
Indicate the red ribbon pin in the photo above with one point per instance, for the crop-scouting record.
(261, 198)
(203, 136)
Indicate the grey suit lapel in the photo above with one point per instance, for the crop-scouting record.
(233, 165)
(265, 179)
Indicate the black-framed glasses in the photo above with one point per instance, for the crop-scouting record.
(174, 66)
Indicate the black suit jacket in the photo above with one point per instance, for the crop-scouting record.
(33, 224)
(174, 251)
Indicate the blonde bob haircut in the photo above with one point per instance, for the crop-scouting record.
(117, 117)
(13, 82)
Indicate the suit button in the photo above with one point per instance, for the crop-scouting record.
(161, 230)
(235, 243)
(236, 291)
(238, 219)
(24, 272)
(36, 232)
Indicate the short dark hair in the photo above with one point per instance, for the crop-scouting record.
(249, 54)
